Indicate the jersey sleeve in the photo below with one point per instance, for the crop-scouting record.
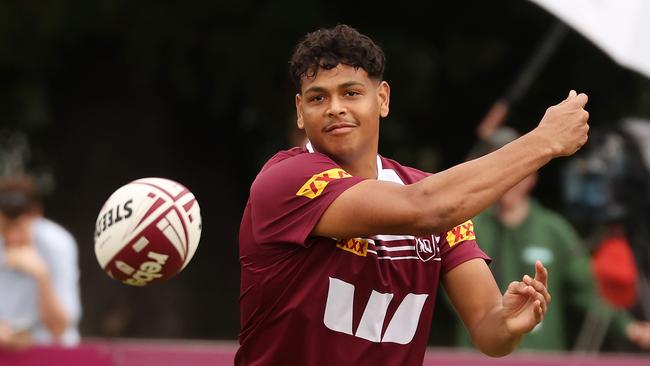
(288, 198)
(459, 245)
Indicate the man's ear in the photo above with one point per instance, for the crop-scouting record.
(299, 121)
(383, 95)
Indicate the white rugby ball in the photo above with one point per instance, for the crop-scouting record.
(147, 231)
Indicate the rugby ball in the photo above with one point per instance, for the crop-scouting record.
(147, 231)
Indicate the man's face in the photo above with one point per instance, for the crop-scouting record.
(339, 109)
(519, 193)
(16, 232)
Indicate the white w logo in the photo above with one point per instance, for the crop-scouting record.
(401, 329)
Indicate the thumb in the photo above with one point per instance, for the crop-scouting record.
(572, 93)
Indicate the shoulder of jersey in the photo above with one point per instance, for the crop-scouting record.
(403, 170)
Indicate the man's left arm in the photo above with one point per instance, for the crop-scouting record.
(496, 323)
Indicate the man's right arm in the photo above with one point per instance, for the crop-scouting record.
(443, 200)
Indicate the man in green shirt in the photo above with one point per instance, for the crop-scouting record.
(516, 232)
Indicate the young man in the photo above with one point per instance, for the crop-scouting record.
(342, 250)
(39, 277)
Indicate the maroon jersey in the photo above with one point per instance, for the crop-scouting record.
(310, 300)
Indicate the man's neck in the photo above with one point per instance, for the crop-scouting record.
(363, 165)
(513, 216)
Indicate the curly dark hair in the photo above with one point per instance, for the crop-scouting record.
(18, 195)
(326, 48)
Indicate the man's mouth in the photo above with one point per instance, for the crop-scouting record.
(340, 127)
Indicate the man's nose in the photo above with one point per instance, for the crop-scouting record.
(336, 107)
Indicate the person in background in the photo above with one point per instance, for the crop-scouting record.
(39, 275)
(516, 232)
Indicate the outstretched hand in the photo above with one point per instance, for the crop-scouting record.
(525, 302)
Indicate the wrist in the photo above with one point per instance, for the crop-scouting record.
(537, 139)
(494, 335)
(505, 328)
(508, 331)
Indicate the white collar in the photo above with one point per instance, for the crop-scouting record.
(382, 174)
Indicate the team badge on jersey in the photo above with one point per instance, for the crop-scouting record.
(461, 233)
(427, 248)
(358, 246)
(317, 183)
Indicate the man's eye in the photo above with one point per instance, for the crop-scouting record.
(352, 93)
(316, 98)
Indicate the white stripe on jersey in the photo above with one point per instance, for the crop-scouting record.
(400, 258)
(394, 249)
(393, 237)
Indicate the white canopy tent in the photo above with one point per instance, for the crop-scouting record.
(621, 28)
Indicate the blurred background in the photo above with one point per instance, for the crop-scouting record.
(98, 93)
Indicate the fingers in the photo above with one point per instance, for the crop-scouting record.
(539, 304)
(540, 282)
(10, 259)
(582, 99)
(539, 311)
(539, 288)
(517, 287)
(537, 292)
(534, 290)
(579, 100)
(541, 273)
